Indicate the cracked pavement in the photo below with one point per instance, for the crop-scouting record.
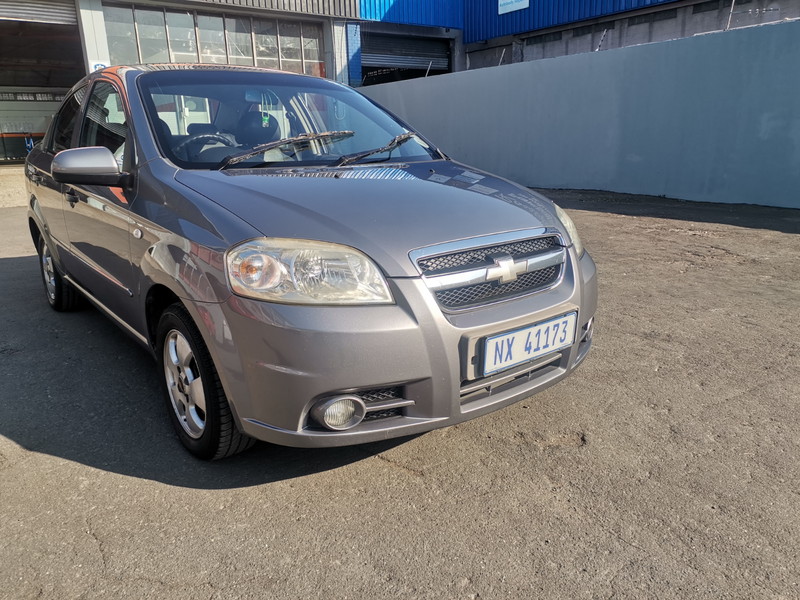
(666, 467)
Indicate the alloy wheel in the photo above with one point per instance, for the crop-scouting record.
(185, 384)
(49, 273)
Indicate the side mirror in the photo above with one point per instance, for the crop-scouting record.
(87, 166)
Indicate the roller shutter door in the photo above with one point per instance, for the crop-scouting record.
(61, 12)
(394, 51)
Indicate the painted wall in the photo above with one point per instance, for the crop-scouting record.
(433, 13)
(711, 118)
(482, 21)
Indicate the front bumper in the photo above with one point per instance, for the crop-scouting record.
(276, 361)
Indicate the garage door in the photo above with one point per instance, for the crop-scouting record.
(395, 51)
(61, 12)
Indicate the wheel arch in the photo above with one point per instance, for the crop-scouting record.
(159, 298)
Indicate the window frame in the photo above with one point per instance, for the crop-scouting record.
(130, 148)
(49, 147)
(97, 82)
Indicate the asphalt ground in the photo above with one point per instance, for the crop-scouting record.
(665, 467)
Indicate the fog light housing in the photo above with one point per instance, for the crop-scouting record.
(340, 412)
(589, 329)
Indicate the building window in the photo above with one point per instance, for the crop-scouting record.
(152, 35)
(152, 32)
(211, 31)
(181, 35)
(121, 35)
(265, 34)
(290, 46)
(313, 59)
(240, 42)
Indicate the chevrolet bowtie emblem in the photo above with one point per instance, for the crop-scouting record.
(506, 269)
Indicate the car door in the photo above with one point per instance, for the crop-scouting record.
(97, 217)
(49, 193)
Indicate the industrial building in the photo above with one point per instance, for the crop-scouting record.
(48, 45)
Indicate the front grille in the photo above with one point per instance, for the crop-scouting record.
(380, 394)
(383, 414)
(433, 264)
(478, 294)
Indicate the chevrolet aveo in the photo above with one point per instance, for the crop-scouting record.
(305, 267)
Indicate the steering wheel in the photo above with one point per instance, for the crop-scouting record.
(209, 137)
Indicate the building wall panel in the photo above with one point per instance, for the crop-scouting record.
(481, 21)
(433, 13)
(334, 8)
(711, 118)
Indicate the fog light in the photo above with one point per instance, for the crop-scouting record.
(340, 412)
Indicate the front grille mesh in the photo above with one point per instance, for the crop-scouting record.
(481, 255)
(380, 394)
(383, 414)
(477, 294)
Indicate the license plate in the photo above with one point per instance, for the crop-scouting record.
(514, 348)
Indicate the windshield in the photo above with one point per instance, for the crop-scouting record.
(201, 118)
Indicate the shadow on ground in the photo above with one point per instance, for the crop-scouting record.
(75, 386)
(785, 220)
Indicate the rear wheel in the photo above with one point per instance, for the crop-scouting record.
(60, 294)
(198, 407)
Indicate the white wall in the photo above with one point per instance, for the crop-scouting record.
(711, 118)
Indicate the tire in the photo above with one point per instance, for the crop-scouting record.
(60, 294)
(196, 401)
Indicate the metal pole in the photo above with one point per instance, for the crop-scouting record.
(601, 40)
(730, 15)
(502, 56)
(429, 68)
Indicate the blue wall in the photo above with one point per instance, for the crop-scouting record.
(434, 13)
(479, 18)
(482, 22)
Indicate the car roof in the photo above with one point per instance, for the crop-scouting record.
(194, 67)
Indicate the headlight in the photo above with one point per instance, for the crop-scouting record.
(305, 272)
(571, 229)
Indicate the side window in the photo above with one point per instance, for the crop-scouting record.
(104, 124)
(65, 122)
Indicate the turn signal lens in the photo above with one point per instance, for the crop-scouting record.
(259, 271)
(569, 225)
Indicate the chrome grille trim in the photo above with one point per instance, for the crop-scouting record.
(475, 276)
(485, 270)
(478, 242)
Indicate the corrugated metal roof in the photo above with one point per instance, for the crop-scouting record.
(61, 12)
(433, 13)
(334, 8)
(482, 21)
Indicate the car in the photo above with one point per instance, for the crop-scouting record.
(305, 268)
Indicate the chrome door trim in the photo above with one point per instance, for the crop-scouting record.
(108, 311)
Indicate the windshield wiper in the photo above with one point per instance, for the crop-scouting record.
(396, 142)
(333, 136)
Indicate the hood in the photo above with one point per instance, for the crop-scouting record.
(385, 212)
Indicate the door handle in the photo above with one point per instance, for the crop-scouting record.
(71, 197)
(37, 179)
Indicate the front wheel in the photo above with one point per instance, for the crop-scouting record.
(60, 294)
(198, 407)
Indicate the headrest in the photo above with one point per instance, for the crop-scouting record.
(195, 128)
(253, 130)
(166, 133)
